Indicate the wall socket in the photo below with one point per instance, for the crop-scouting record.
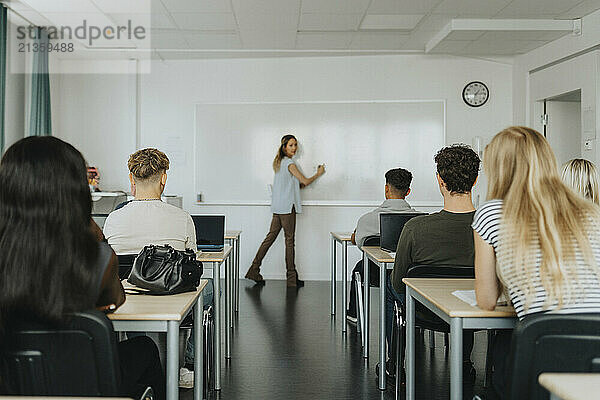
(199, 198)
(588, 144)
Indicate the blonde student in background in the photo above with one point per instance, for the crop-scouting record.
(581, 176)
(285, 204)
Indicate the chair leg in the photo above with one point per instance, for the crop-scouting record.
(487, 379)
(398, 324)
(432, 339)
(446, 341)
(359, 308)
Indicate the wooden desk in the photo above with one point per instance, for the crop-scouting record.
(343, 238)
(384, 260)
(564, 386)
(144, 313)
(217, 258)
(233, 239)
(436, 295)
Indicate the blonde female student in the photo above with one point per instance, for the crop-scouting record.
(581, 175)
(285, 204)
(534, 237)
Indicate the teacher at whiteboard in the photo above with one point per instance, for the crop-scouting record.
(285, 204)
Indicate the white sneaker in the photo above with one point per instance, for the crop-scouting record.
(186, 378)
(352, 319)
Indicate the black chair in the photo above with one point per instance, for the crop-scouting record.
(373, 240)
(125, 265)
(551, 343)
(424, 318)
(77, 359)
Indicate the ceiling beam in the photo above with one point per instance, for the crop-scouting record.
(506, 25)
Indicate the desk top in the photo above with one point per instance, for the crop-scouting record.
(571, 386)
(439, 292)
(233, 234)
(378, 254)
(214, 256)
(140, 307)
(342, 236)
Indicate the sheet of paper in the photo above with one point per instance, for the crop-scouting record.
(468, 296)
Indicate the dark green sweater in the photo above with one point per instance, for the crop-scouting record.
(441, 238)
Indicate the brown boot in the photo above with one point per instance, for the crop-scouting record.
(254, 275)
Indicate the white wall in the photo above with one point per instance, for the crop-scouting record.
(14, 127)
(167, 102)
(564, 65)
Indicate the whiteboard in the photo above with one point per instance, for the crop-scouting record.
(358, 141)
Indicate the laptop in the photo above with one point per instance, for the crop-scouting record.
(210, 232)
(390, 226)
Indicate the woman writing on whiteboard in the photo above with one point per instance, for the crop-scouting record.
(284, 205)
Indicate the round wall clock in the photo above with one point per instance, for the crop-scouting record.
(475, 94)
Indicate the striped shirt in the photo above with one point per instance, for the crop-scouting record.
(488, 223)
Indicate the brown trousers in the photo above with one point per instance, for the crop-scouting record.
(288, 223)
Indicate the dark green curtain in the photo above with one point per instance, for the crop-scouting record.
(40, 119)
(3, 25)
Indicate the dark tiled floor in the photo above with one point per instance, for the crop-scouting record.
(286, 345)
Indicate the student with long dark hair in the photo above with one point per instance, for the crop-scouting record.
(54, 260)
(285, 204)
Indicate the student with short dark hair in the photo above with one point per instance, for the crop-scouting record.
(441, 238)
(397, 187)
(45, 200)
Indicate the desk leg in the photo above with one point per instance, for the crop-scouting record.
(333, 277)
(367, 303)
(198, 349)
(410, 346)
(173, 360)
(456, 354)
(344, 285)
(237, 274)
(382, 267)
(228, 306)
(217, 337)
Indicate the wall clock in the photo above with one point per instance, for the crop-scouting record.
(475, 94)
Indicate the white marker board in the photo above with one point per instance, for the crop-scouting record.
(358, 142)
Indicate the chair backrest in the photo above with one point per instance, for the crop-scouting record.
(390, 226)
(425, 317)
(373, 240)
(440, 271)
(125, 264)
(77, 359)
(551, 343)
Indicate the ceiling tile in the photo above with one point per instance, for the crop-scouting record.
(335, 6)
(323, 41)
(378, 41)
(329, 22)
(69, 6)
(402, 6)
(168, 40)
(394, 21)
(197, 5)
(156, 21)
(536, 8)
(582, 9)
(266, 6)
(213, 40)
(465, 8)
(258, 39)
(124, 6)
(267, 22)
(205, 21)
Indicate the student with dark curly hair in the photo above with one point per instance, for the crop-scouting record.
(441, 238)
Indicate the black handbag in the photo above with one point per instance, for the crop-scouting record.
(162, 270)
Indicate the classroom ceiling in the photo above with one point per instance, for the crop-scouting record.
(204, 28)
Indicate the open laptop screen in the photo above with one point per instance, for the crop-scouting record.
(390, 225)
(210, 231)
